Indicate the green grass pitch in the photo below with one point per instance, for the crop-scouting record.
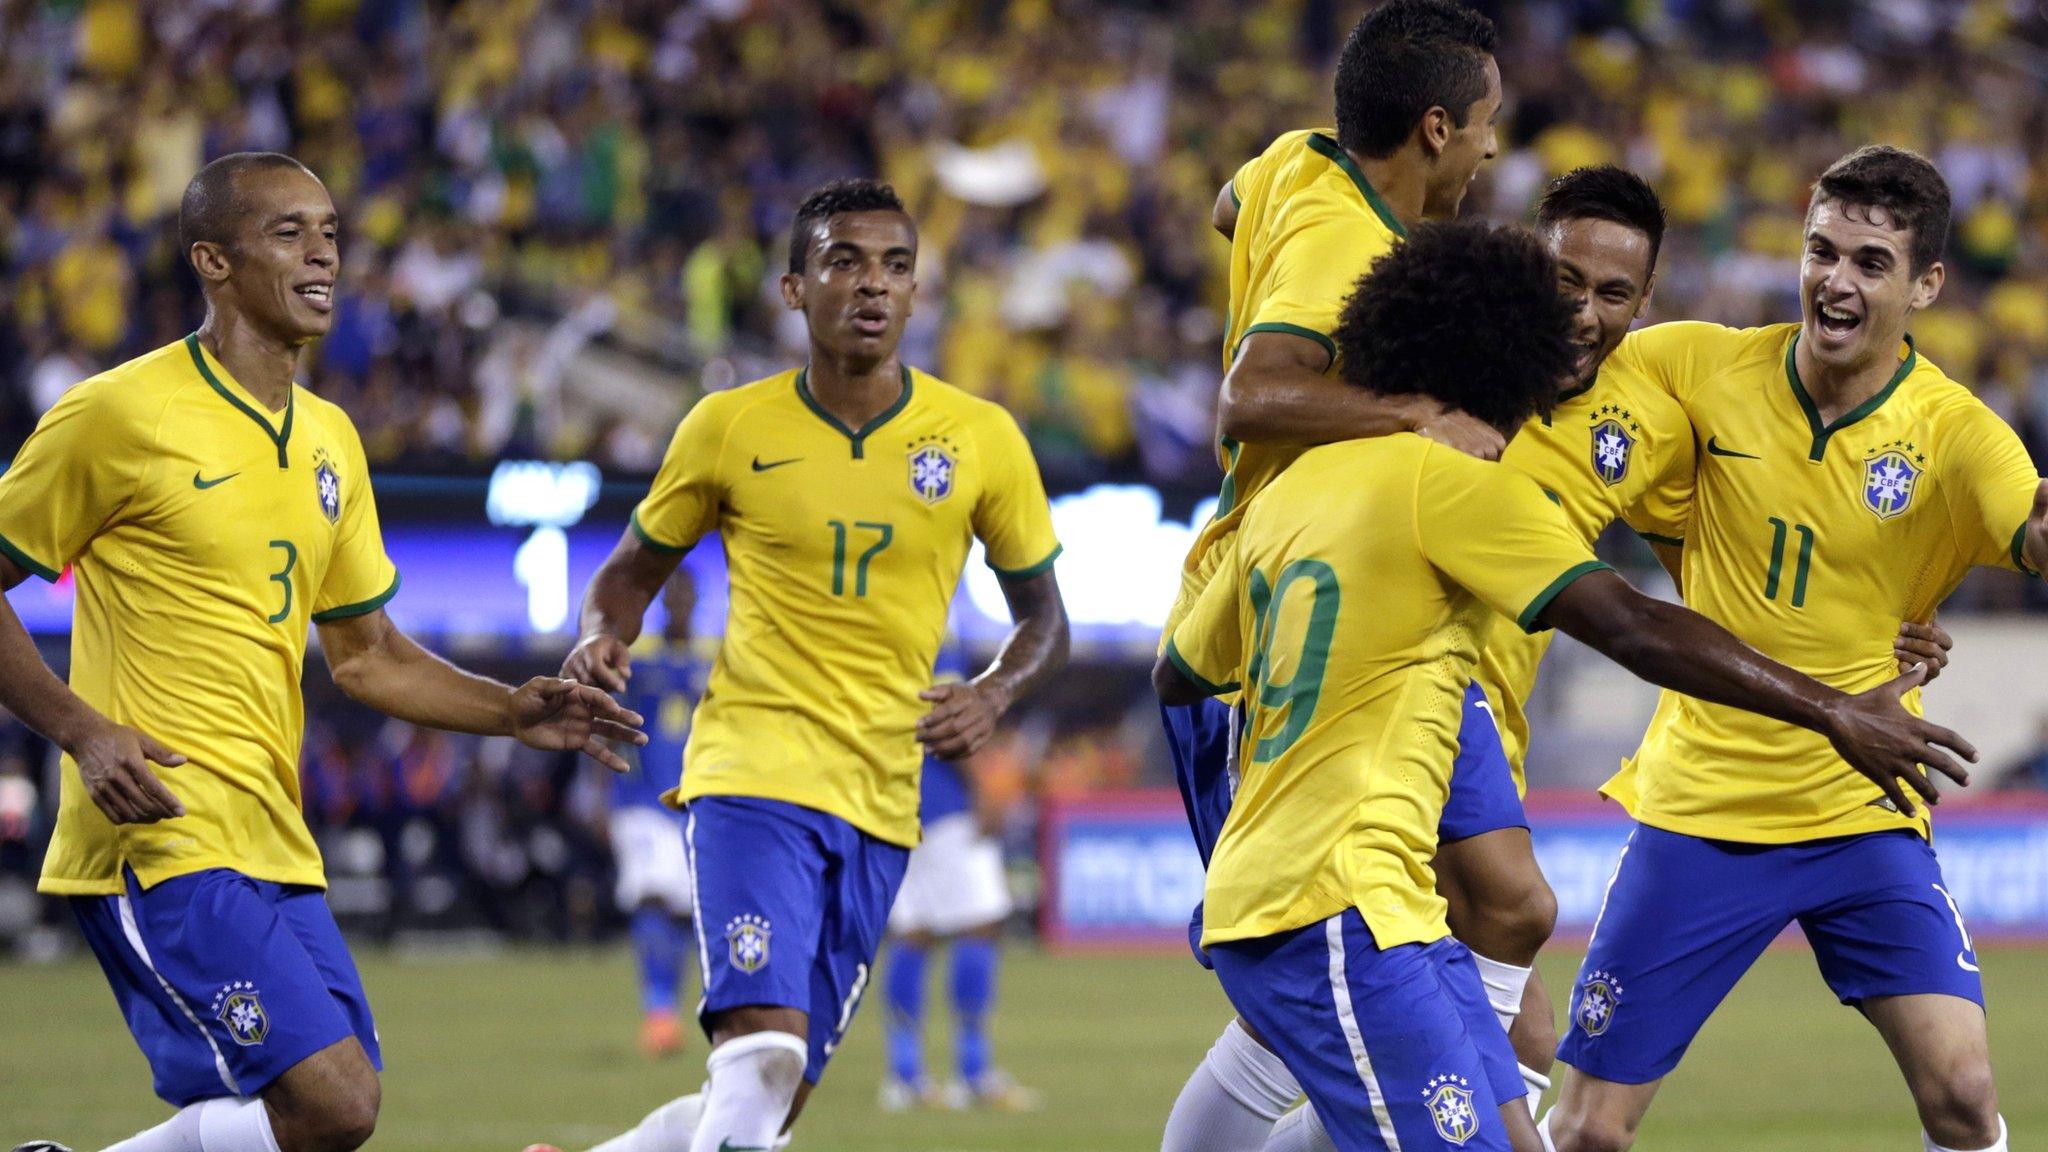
(490, 1054)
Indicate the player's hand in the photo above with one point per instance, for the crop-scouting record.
(2035, 550)
(556, 715)
(114, 761)
(1879, 738)
(962, 719)
(1927, 644)
(1455, 429)
(601, 661)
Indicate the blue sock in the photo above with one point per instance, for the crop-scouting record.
(974, 991)
(683, 939)
(903, 1018)
(658, 947)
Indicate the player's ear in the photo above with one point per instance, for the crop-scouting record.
(209, 260)
(1927, 286)
(792, 286)
(1649, 290)
(1435, 131)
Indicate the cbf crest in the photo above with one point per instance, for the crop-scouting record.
(1615, 436)
(1599, 996)
(1450, 1106)
(746, 940)
(240, 1007)
(933, 460)
(1890, 478)
(327, 485)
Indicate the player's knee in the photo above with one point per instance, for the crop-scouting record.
(341, 1122)
(1509, 923)
(1575, 1131)
(1960, 1107)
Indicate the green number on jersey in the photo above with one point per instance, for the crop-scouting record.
(860, 566)
(1301, 691)
(284, 577)
(1780, 533)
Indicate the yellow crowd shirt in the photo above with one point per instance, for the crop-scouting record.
(1309, 225)
(844, 547)
(1812, 543)
(1352, 628)
(203, 534)
(1617, 449)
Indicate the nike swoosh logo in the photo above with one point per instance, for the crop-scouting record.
(202, 485)
(760, 467)
(1714, 449)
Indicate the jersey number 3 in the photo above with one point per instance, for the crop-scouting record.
(283, 577)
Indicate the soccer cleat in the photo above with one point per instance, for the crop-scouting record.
(903, 1096)
(42, 1146)
(662, 1034)
(998, 1092)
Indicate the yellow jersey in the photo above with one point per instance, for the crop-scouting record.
(1352, 627)
(1812, 543)
(844, 547)
(1617, 449)
(1309, 224)
(204, 534)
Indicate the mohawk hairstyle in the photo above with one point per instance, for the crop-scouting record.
(1605, 192)
(833, 199)
(1905, 184)
(1400, 61)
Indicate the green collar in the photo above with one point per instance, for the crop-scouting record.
(1569, 395)
(1342, 159)
(1821, 432)
(803, 391)
(278, 436)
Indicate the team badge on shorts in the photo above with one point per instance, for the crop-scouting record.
(1891, 477)
(240, 1007)
(327, 485)
(746, 939)
(931, 470)
(1599, 996)
(1450, 1105)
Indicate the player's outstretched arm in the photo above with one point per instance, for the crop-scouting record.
(113, 759)
(2034, 548)
(964, 715)
(1276, 391)
(1173, 686)
(613, 607)
(1676, 648)
(380, 666)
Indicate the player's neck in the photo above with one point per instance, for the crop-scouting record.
(1837, 391)
(854, 391)
(263, 365)
(1401, 181)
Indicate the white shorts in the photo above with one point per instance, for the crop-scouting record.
(653, 866)
(955, 881)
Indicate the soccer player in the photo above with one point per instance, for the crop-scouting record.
(208, 508)
(847, 493)
(1347, 613)
(1847, 484)
(654, 887)
(954, 891)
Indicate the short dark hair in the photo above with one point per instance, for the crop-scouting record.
(1605, 192)
(1905, 184)
(1466, 313)
(833, 199)
(1402, 60)
(212, 205)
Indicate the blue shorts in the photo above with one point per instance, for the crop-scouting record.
(792, 904)
(226, 982)
(1202, 740)
(1397, 1049)
(1684, 918)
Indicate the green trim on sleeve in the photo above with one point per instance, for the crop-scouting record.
(1234, 201)
(360, 607)
(1652, 537)
(2019, 551)
(1528, 617)
(1038, 569)
(1329, 345)
(1199, 681)
(650, 541)
(13, 552)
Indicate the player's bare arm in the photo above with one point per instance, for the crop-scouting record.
(613, 608)
(113, 759)
(1224, 215)
(964, 715)
(1677, 648)
(2035, 549)
(379, 665)
(1277, 391)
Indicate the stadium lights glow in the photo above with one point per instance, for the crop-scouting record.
(526, 492)
(1121, 566)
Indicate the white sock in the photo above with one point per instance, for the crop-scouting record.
(1538, 1084)
(223, 1124)
(754, 1081)
(1998, 1147)
(1505, 984)
(1300, 1131)
(1230, 1102)
(666, 1129)
(1543, 1131)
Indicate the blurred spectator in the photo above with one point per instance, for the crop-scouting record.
(2030, 769)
